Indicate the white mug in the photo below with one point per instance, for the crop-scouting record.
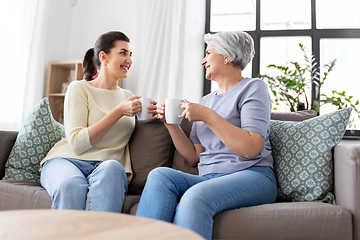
(144, 116)
(173, 111)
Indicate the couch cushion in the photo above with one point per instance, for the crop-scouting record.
(23, 195)
(150, 147)
(179, 162)
(36, 137)
(293, 116)
(285, 221)
(7, 140)
(302, 155)
(129, 202)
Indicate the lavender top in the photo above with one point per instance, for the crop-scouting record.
(248, 106)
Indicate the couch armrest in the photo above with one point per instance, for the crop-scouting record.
(347, 179)
(7, 140)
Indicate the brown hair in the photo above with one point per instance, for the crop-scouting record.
(105, 43)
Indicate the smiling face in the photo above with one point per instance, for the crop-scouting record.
(213, 63)
(119, 60)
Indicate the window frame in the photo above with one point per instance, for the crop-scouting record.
(315, 34)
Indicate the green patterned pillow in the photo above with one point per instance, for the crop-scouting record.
(36, 137)
(302, 155)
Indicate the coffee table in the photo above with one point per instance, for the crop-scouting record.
(72, 224)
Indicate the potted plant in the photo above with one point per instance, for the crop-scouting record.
(293, 84)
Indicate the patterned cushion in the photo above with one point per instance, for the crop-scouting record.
(36, 137)
(302, 155)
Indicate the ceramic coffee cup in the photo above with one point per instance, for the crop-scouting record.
(144, 116)
(173, 111)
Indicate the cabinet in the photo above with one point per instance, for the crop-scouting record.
(60, 74)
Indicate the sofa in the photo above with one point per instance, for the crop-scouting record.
(151, 146)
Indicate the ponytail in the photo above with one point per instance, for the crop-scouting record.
(89, 67)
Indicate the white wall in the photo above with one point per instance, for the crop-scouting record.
(58, 20)
(91, 18)
(52, 43)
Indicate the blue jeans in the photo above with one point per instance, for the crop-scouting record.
(85, 185)
(191, 201)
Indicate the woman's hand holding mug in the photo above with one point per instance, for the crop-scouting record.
(170, 112)
(194, 112)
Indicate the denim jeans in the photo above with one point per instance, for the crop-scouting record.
(85, 185)
(192, 201)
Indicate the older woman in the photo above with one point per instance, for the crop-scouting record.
(228, 141)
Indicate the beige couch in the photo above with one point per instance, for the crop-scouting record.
(151, 146)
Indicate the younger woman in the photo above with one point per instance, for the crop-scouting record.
(90, 168)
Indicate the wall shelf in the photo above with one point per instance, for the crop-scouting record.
(60, 74)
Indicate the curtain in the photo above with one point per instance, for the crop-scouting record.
(163, 39)
(36, 75)
(17, 21)
(19, 85)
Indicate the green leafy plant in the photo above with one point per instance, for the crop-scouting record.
(294, 83)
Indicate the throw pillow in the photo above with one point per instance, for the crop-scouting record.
(303, 158)
(36, 137)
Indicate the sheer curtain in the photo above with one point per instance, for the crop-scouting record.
(168, 49)
(36, 63)
(18, 29)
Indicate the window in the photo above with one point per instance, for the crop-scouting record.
(284, 17)
(227, 14)
(332, 15)
(326, 28)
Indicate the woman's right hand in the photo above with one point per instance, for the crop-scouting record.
(130, 106)
(161, 112)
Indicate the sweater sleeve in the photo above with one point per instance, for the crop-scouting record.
(76, 118)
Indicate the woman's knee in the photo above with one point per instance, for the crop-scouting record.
(111, 175)
(112, 168)
(196, 196)
(69, 187)
(57, 176)
(160, 174)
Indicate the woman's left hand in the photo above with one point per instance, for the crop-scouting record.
(195, 112)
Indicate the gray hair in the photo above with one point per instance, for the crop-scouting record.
(237, 46)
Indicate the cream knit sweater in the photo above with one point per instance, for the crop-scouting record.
(85, 105)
